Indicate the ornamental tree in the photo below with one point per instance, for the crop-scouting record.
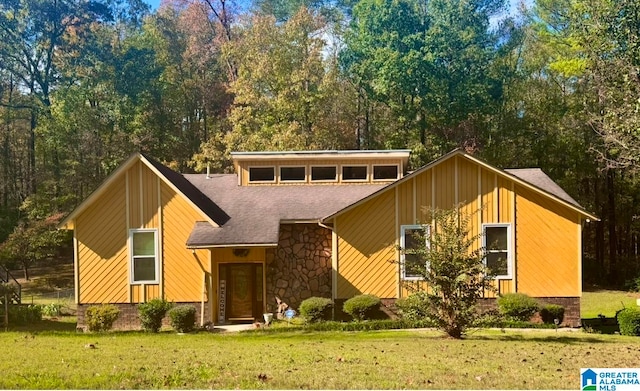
(449, 262)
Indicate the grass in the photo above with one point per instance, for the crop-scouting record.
(316, 360)
(49, 283)
(605, 302)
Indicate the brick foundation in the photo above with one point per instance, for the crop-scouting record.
(128, 318)
(571, 308)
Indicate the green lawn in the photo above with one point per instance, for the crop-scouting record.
(296, 360)
(606, 302)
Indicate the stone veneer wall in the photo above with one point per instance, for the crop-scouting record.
(128, 318)
(300, 266)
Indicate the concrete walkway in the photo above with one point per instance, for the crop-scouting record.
(225, 328)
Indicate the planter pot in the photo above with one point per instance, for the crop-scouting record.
(268, 317)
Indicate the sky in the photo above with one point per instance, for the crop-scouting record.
(154, 3)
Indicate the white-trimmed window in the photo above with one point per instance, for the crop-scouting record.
(324, 173)
(293, 174)
(385, 172)
(410, 241)
(355, 173)
(497, 244)
(144, 256)
(262, 174)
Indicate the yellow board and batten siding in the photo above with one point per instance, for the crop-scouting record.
(546, 240)
(137, 199)
(487, 197)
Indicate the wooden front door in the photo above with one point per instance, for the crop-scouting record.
(243, 290)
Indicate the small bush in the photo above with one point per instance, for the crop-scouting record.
(633, 284)
(151, 314)
(629, 321)
(101, 317)
(316, 309)
(362, 307)
(550, 312)
(52, 309)
(183, 318)
(25, 314)
(517, 306)
(414, 307)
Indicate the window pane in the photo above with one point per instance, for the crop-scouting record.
(385, 172)
(323, 173)
(144, 243)
(497, 263)
(261, 174)
(144, 269)
(292, 173)
(350, 173)
(413, 263)
(496, 238)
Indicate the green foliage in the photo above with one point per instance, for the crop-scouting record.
(33, 242)
(550, 312)
(517, 306)
(152, 312)
(51, 309)
(494, 319)
(455, 273)
(414, 307)
(21, 314)
(633, 285)
(362, 307)
(629, 321)
(316, 309)
(183, 318)
(101, 317)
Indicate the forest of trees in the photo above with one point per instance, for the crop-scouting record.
(555, 84)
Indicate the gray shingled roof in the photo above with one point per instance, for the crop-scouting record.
(256, 211)
(539, 179)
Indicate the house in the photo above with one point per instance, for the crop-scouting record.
(302, 224)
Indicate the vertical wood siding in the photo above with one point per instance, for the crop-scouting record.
(548, 263)
(183, 270)
(367, 234)
(366, 247)
(101, 232)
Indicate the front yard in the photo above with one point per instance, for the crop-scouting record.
(318, 360)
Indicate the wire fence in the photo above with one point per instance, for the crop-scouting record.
(65, 298)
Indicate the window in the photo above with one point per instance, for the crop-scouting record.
(410, 241)
(144, 256)
(354, 173)
(323, 173)
(297, 174)
(497, 242)
(262, 174)
(385, 172)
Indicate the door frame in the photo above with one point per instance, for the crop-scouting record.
(226, 300)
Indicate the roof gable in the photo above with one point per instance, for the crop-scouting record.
(540, 183)
(209, 210)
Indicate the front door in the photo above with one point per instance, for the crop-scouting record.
(244, 290)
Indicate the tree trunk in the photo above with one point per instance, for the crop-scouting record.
(611, 209)
(25, 269)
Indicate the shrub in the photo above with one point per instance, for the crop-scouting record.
(52, 309)
(101, 317)
(151, 314)
(414, 307)
(183, 318)
(25, 314)
(633, 284)
(629, 321)
(316, 309)
(517, 306)
(362, 307)
(550, 312)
